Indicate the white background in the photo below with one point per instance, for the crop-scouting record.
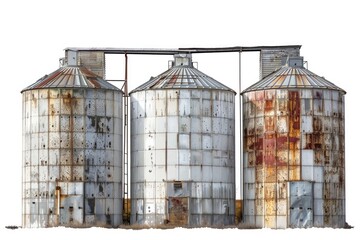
(33, 35)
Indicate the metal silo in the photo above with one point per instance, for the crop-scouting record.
(294, 153)
(72, 150)
(182, 149)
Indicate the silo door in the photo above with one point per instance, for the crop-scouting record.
(71, 210)
(178, 210)
(301, 201)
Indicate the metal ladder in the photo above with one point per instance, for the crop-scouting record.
(126, 208)
(126, 203)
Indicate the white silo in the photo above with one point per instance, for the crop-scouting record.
(72, 151)
(182, 149)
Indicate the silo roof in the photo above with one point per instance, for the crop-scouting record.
(71, 77)
(292, 77)
(182, 77)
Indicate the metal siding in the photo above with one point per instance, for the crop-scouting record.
(178, 210)
(307, 144)
(94, 61)
(62, 152)
(301, 204)
(271, 59)
(195, 142)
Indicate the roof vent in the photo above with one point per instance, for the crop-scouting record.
(182, 59)
(295, 62)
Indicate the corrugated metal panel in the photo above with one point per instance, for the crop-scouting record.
(273, 59)
(182, 76)
(71, 77)
(92, 60)
(293, 77)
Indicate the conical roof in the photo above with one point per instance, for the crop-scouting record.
(71, 77)
(292, 77)
(182, 75)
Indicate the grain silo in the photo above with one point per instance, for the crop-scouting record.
(182, 149)
(72, 151)
(294, 153)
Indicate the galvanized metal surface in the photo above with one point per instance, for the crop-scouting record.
(183, 156)
(290, 135)
(72, 168)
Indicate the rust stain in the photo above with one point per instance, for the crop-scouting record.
(308, 141)
(294, 135)
(49, 79)
(88, 73)
(269, 124)
(282, 158)
(318, 140)
(158, 81)
(279, 80)
(259, 144)
(270, 94)
(269, 105)
(94, 82)
(259, 158)
(282, 107)
(317, 124)
(294, 173)
(319, 157)
(249, 143)
(178, 211)
(294, 113)
(269, 144)
(173, 79)
(299, 81)
(282, 142)
(70, 102)
(271, 175)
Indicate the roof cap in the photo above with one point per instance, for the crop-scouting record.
(293, 75)
(71, 77)
(182, 75)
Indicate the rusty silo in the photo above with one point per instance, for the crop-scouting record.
(294, 153)
(72, 151)
(182, 149)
